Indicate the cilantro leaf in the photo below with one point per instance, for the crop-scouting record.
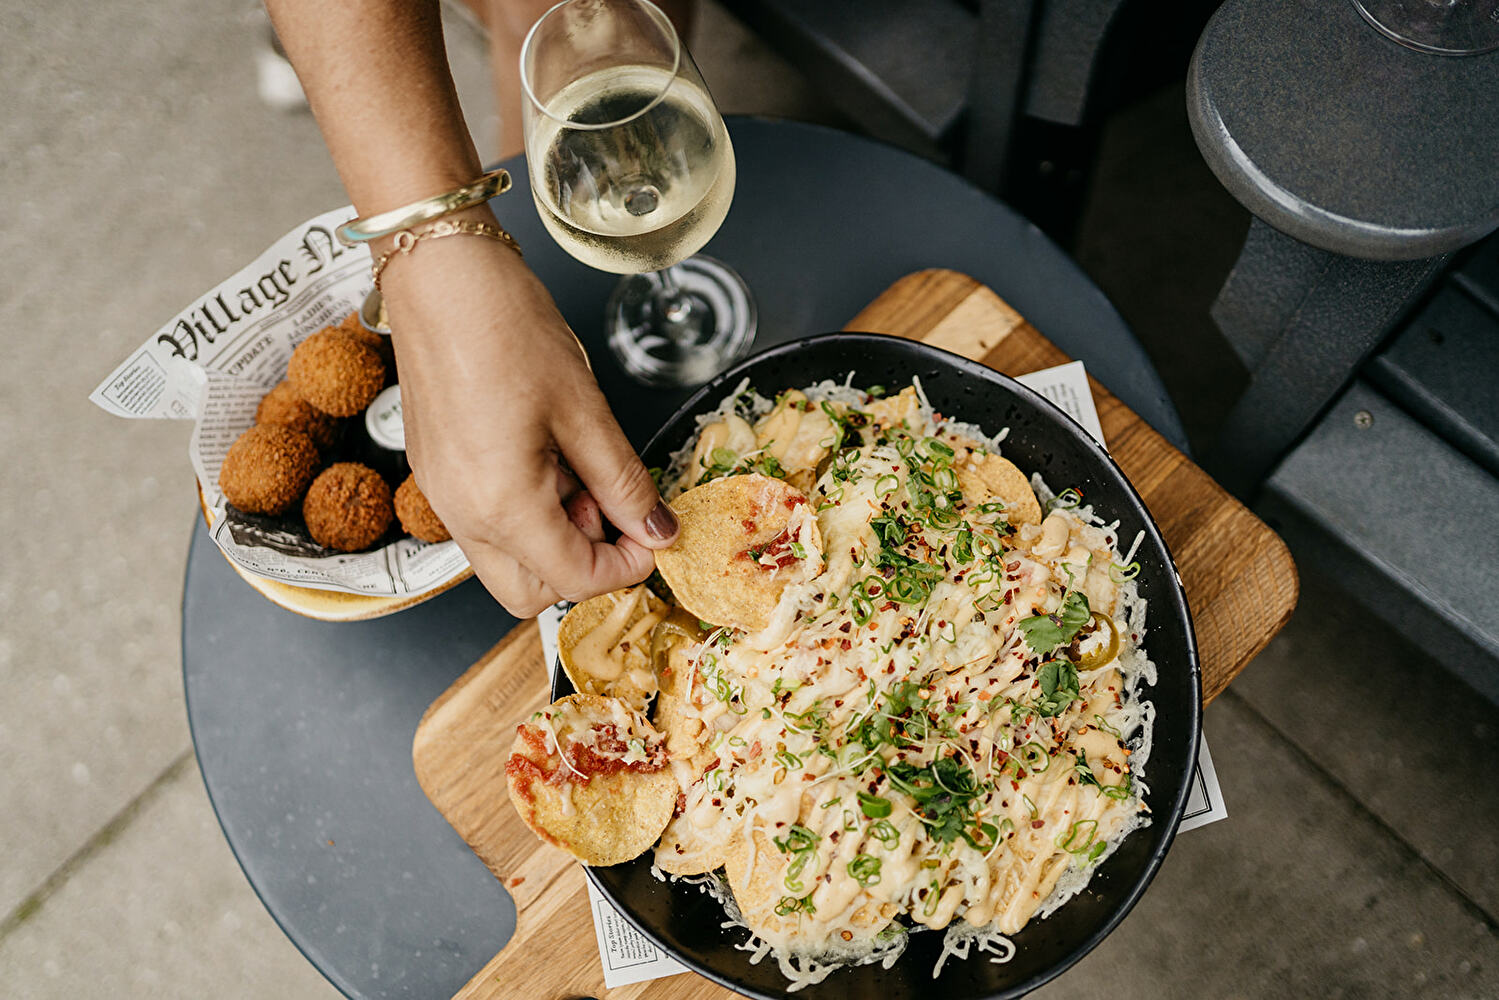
(1045, 633)
(946, 795)
(1059, 687)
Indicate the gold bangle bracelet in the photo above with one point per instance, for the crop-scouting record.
(406, 240)
(373, 227)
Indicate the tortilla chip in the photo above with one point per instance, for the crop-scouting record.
(684, 850)
(755, 878)
(723, 566)
(797, 433)
(802, 479)
(682, 695)
(894, 410)
(608, 818)
(986, 476)
(605, 645)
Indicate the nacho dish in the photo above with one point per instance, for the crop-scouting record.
(890, 682)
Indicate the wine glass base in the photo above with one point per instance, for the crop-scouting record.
(1441, 27)
(683, 335)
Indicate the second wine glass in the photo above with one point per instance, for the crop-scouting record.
(632, 172)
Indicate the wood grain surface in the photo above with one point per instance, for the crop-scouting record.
(1239, 579)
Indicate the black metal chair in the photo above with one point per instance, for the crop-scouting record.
(1370, 427)
(1010, 93)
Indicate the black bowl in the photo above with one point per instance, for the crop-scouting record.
(685, 922)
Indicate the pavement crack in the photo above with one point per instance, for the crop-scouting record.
(90, 848)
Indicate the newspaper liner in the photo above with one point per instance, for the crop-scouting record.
(627, 956)
(214, 361)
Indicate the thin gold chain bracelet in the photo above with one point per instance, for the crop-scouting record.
(406, 240)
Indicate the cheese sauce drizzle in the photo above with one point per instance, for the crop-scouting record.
(944, 728)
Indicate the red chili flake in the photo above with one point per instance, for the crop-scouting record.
(749, 524)
(845, 626)
(845, 644)
(1037, 824)
(512, 883)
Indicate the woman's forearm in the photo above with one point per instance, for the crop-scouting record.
(376, 75)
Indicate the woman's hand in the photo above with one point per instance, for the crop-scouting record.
(501, 412)
(498, 400)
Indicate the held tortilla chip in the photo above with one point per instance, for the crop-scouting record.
(605, 645)
(985, 476)
(743, 540)
(608, 796)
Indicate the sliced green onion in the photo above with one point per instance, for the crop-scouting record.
(933, 893)
(1070, 843)
(1033, 754)
(1065, 500)
(860, 608)
(865, 870)
(938, 450)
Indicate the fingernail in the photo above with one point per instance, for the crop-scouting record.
(662, 523)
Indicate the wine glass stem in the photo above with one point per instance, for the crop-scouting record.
(675, 304)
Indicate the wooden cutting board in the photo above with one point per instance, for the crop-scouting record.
(1239, 579)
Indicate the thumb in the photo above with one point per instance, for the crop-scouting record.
(610, 470)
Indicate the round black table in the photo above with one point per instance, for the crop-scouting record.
(303, 729)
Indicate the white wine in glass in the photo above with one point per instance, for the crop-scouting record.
(1440, 27)
(633, 172)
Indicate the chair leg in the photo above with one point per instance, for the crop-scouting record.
(1303, 320)
(996, 90)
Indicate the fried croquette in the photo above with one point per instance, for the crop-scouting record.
(415, 513)
(381, 343)
(336, 373)
(283, 406)
(348, 507)
(268, 469)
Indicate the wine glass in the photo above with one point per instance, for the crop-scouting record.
(632, 172)
(1441, 27)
